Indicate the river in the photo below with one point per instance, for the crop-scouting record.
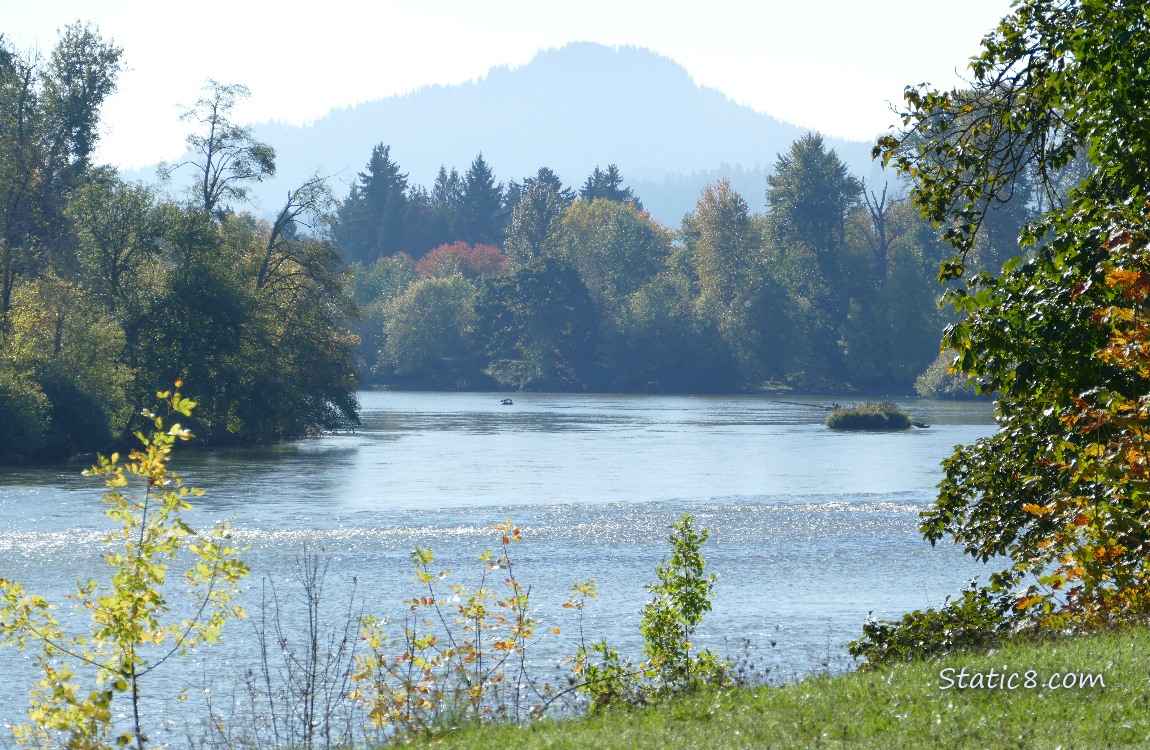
(810, 530)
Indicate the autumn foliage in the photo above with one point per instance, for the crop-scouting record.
(472, 261)
(1101, 530)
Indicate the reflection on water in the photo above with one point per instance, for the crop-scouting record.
(810, 529)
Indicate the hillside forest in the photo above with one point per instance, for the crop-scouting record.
(110, 289)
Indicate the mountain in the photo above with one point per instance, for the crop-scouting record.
(571, 109)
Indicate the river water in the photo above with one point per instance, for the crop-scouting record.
(810, 530)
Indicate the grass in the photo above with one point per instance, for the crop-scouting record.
(868, 416)
(900, 707)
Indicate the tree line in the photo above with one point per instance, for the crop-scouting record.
(108, 287)
(538, 285)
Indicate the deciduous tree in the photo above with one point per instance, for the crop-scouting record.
(225, 156)
(1059, 490)
(49, 113)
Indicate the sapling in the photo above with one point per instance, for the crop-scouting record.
(130, 634)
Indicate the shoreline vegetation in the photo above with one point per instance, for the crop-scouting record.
(900, 705)
(868, 417)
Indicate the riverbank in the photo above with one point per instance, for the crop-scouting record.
(1085, 692)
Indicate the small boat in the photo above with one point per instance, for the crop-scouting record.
(507, 402)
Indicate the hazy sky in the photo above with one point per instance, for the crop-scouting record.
(833, 65)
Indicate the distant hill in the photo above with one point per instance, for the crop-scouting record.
(570, 109)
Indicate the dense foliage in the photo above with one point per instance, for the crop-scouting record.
(832, 288)
(107, 287)
(1060, 491)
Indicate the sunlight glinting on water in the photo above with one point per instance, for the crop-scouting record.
(810, 530)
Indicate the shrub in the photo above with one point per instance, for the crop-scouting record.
(128, 638)
(980, 618)
(680, 598)
(867, 416)
(461, 658)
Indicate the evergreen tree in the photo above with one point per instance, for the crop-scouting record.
(447, 191)
(445, 213)
(371, 221)
(810, 195)
(545, 176)
(482, 205)
(608, 185)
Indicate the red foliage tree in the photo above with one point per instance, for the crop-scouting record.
(472, 261)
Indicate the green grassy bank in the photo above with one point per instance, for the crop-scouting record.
(898, 708)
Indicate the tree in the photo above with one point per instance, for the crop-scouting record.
(119, 232)
(373, 288)
(546, 176)
(667, 345)
(472, 261)
(1060, 489)
(616, 247)
(481, 204)
(884, 224)
(735, 291)
(435, 217)
(225, 155)
(892, 323)
(514, 192)
(372, 219)
(536, 229)
(49, 113)
(429, 330)
(608, 185)
(62, 339)
(810, 195)
(257, 313)
(724, 248)
(539, 324)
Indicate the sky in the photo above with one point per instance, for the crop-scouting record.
(832, 65)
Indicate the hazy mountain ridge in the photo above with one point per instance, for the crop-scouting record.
(571, 109)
